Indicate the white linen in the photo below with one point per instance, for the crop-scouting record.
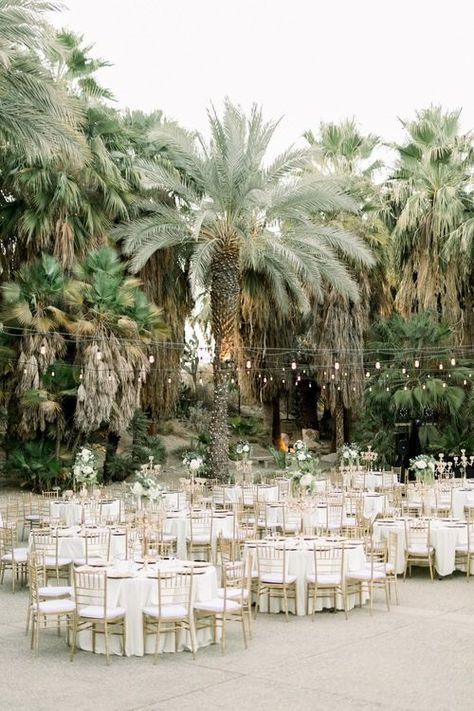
(133, 594)
(461, 498)
(300, 564)
(72, 513)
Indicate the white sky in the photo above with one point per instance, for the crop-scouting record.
(305, 60)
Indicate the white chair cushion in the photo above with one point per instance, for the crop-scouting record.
(419, 549)
(462, 548)
(365, 574)
(217, 605)
(51, 562)
(92, 560)
(20, 555)
(200, 538)
(277, 578)
(32, 517)
(232, 593)
(51, 607)
(55, 591)
(325, 579)
(167, 611)
(98, 612)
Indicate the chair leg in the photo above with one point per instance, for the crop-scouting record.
(106, 640)
(285, 598)
(244, 633)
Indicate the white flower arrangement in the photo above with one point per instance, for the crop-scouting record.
(146, 486)
(424, 467)
(301, 458)
(349, 454)
(299, 446)
(304, 482)
(242, 450)
(85, 467)
(194, 462)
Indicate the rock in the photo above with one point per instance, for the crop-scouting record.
(311, 439)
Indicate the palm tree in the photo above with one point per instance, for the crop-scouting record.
(339, 325)
(430, 207)
(38, 118)
(234, 213)
(113, 323)
(34, 315)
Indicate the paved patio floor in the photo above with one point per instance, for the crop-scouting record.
(418, 656)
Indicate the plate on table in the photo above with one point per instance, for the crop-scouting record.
(99, 563)
(118, 575)
(454, 525)
(196, 564)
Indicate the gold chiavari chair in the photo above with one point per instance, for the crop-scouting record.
(334, 518)
(96, 547)
(12, 557)
(92, 611)
(233, 605)
(43, 591)
(200, 534)
(42, 610)
(273, 577)
(327, 576)
(53, 494)
(372, 576)
(173, 610)
(291, 521)
(464, 554)
(48, 544)
(419, 551)
(391, 565)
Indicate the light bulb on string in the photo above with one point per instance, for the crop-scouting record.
(309, 385)
(98, 355)
(441, 366)
(52, 373)
(404, 370)
(151, 358)
(332, 376)
(43, 350)
(298, 378)
(377, 365)
(453, 361)
(367, 375)
(264, 380)
(417, 363)
(169, 381)
(248, 364)
(338, 387)
(337, 365)
(283, 380)
(424, 386)
(465, 381)
(324, 387)
(405, 387)
(293, 365)
(444, 385)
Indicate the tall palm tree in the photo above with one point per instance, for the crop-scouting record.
(430, 208)
(235, 213)
(339, 325)
(38, 117)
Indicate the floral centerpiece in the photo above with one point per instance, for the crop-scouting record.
(303, 483)
(193, 461)
(85, 468)
(301, 458)
(423, 467)
(146, 484)
(242, 450)
(243, 464)
(349, 455)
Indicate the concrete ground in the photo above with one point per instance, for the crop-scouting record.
(418, 656)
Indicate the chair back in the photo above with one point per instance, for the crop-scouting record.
(90, 589)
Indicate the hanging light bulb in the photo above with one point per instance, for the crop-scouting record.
(283, 380)
(81, 375)
(453, 361)
(324, 387)
(338, 387)
(370, 390)
(98, 355)
(264, 380)
(354, 389)
(43, 350)
(325, 372)
(332, 376)
(387, 389)
(309, 385)
(200, 381)
(417, 363)
(169, 381)
(298, 378)
(52, 373)
(465, 381)
(405, 387)
(444, 385)
(424, 386)
(404, 370)
(367, 375)
(248, 364)
(441, 366)
(151, 359)
(337, 365)
(293, 365)
(377, 365)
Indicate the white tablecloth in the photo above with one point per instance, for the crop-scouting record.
(233, 494)
(445, 537)
(134, 594)
(373, 480)
(300, 563)
(178, 525)
(461, 498)
(71, 544)
(71, 513)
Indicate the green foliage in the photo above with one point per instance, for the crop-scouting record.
(282, 459)
(144, 446)
(245, 427)
(35, 464)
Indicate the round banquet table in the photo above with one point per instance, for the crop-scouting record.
(372, 480)
(300, 562)
(233, 494)
(71, 543)
(444, 535)
(461, 498)
(71, 513)
(174, 500)
(177, 524)
(133, 594)
(317, 517)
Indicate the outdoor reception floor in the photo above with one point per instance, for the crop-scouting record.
(418, 656)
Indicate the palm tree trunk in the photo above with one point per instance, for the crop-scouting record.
(271, 413)
(225, 301)
(339, 424)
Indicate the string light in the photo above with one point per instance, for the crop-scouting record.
(404, 370)
(441, 366)
(293, 365)
(444, 385)
(43, 350)
(98, 355)
(151, 359)
(377, 365)
(417, 363)
(367, 375)
(336, 365)
(169, 381)
(453, 361)
(248, 364)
